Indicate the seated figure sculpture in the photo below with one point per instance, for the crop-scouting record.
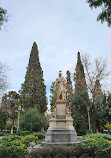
(60, 87)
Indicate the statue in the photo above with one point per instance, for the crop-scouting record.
(60, 87)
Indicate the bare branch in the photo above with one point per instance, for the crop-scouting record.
(96, 70)
(3, 77)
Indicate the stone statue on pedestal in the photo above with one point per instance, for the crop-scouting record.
(60, 86)
(61, 130)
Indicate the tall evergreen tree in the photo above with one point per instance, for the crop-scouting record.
(79, 76)
(52, 97)
(98, 94)
(80, 99)
(33, 89)
(69, 85)
(98, 106)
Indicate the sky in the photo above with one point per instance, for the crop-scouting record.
(60, 28)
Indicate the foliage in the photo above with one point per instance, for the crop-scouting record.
(7, 127)
(59, 152)
(52, 97)
(11, 152)
(32, 120)
(16, 146)
(69, 87)
(97, 113)
(30, 138)
(98, 94)
(10, 102)
(101, 112)
(95, 72)
(108, 126)
(107, 110)
(1, 134)
(3, 119)
(24, 133)
(33, 90)
(96, 141)
(3, 17)
(80, 99)
(105, 15)
(10, 138)
(97, 135)
(79, 102)
(81, 150)
(99, 144)
(79, 76)
(80, 123)
(40, 135)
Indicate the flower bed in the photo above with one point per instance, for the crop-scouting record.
(16, 146)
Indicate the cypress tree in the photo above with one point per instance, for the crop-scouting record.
(98, 94)
(33, 90)
(69, 85)
(52, 97)
(81, 91)
(80, 99)
(79, 76)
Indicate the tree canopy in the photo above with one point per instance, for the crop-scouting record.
(32, 120)
(105, 15)
(33, 90)
(3, 16)
(3, 119)
(9, 105)
(79, 76)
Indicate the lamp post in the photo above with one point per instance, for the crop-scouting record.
(88, 110)
(19, 109)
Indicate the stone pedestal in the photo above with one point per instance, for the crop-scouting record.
(61, 130)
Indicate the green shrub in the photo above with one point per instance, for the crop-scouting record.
(24, 133)
(99, 143)
(15, 139)
(11, 137)
(3, 119)
(98, 135)
(16, 146)
(60, 152)
(32, 120)
(40, 135)
(30, 138)
(1, 134)
(7, 127)
(11, 152)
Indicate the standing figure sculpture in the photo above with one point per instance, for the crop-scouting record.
(60, 87)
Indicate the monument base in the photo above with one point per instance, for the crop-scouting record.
(61, 136)
(58, 143)
(61, 130)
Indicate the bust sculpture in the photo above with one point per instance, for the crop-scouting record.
(60, 87)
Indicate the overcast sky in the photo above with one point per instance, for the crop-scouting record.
(60, 28)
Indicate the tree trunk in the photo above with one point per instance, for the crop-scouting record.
(12, 130)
